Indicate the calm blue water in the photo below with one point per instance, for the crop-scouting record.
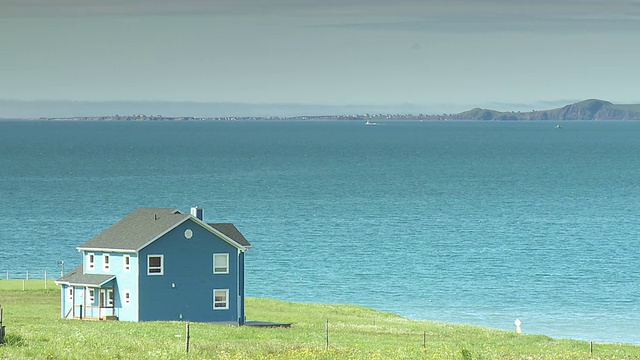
(462, 222)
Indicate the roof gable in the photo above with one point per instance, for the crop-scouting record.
(145, 225)
(136, 229)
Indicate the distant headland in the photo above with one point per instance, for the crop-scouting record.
(592, 109)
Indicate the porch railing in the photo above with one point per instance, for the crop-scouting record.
(80, 311)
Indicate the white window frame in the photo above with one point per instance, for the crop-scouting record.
(106, 262)
(110, 297)
(127, 297)
(91, 295)
(224, 302)
(70, 293)
(126, 263)
(217, 269)
(91, 261)
(161, 268)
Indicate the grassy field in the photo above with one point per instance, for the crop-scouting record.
(35, 331)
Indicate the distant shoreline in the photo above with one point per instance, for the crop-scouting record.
(587, 110)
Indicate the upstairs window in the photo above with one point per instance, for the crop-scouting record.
(127, 297)
(105, 262)
(220, 299)
(126, 261)
(155, 264)
(91, 261)
(220, 263)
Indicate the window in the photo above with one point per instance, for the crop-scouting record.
(155, 264)
(127, 297)
(105, 262)
(220, 263)
(91, 263)
(220, 299)
(110, 297)
(70, 293)
(126, 260)
(91, 298)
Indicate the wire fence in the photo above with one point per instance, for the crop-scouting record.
(29, 280)
(31, 275)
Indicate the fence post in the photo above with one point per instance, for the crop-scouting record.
(7, 274)
(326, 345)
(27, 275)
(22, 285)
(186, 340)
(591, 348)
(1, 327)
(424, 340)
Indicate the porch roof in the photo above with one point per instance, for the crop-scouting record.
(78, 278)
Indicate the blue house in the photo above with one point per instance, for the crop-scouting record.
(159, 264)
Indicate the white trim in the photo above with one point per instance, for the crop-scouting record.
(126, 295)
(138, 275)
(70, 292)
(226, 271)
(198, 221)
(226, 300)
(110, 299)
(116, 250)
(91, 265)
(91, 299)
(204, 225)
(106, 262)
(161, 264)
(240, 303)
(126, 267)
(84, 284)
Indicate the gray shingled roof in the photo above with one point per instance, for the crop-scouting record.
(77, 277)
(232, 232)
(136, 229)
(144, 225)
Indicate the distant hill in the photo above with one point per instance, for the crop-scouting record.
(592, 109)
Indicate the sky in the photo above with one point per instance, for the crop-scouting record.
(436, 55)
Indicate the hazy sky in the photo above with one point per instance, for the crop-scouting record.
(429, 53)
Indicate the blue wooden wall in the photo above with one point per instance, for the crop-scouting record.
(185, 290)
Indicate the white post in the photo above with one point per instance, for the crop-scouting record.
(27, 275)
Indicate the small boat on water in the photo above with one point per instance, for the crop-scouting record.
(370, 123)
(558, 126)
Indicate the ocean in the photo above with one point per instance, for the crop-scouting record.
(464, 222)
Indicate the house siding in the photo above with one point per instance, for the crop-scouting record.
(185, 290)
(64, 302)
(125, 281)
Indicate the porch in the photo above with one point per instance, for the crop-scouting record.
(88, 310)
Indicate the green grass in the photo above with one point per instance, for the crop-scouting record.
(35, 331)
